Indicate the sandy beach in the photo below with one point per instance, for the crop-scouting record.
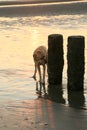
(40, 114)
(24, 26)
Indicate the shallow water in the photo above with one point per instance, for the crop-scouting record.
(19, 36)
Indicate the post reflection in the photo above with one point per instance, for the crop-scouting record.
(55, 93)
(76, 99)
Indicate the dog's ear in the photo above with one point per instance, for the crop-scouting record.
(38, 55)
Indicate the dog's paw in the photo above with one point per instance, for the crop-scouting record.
(39, 92)
(45, 95)
(34, 77)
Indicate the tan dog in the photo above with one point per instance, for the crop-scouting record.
(40, 58)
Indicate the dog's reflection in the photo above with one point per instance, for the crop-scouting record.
(40, 89)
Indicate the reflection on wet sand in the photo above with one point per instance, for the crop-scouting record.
(76, 99)
(50, 92)
(55, 93)
(40, 89)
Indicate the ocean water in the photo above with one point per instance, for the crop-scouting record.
(25, 27)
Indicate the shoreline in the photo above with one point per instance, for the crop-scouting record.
(2, 3)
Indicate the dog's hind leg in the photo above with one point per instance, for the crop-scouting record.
(39, 72)
(44, 70)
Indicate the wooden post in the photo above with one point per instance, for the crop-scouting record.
(75, 58)
(56, 94)
(55, 58)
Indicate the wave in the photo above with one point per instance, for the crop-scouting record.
(16, 2)
(44, 9)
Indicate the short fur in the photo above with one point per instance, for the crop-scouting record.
(40, 58)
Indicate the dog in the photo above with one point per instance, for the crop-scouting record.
(40, 59)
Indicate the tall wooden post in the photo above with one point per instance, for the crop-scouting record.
(55, 58)
(75, 58)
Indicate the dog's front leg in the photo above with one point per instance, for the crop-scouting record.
(44, 70)
(39, 71)
(35, 71)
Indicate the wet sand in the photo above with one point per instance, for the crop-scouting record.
(40, 114)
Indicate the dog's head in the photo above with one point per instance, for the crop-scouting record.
(37, 56)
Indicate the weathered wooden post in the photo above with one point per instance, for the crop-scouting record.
(75, 60)
(56, 94)
(55, 58)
